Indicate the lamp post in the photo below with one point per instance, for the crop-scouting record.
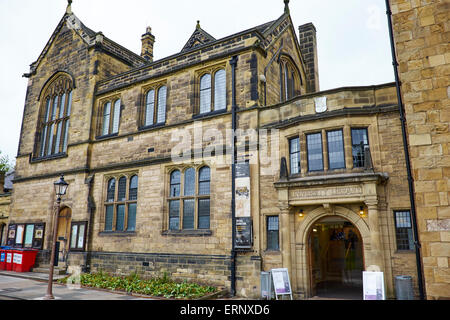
(60, 190)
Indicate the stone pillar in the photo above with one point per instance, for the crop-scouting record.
(376, 246)
(285, 239)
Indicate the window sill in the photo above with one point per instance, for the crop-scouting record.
(188, 233)
(209, 114)
(106, 136)
(117, 233)
(153, 126)
(272, 252)
(48, 158)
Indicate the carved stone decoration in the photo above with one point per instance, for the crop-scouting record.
(199, 37)
(321, 104)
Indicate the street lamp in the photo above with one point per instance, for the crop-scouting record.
(60, 190)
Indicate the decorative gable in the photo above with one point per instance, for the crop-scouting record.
(198, 38)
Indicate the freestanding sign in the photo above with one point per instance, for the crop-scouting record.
(373, 285)
(281, 283)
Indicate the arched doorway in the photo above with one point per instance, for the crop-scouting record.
(336, 258)
(64, 220)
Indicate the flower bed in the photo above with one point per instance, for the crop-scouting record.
(157, 287)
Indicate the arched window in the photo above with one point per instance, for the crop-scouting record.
(289, 80)
(155, 107)
(205, 93)
(121, 204)
(54, 121)
(190, 208)
(213, 93)
(110, 119)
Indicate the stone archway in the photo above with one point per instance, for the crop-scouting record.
(302, 267)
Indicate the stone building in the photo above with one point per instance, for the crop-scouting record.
(5, 201)
(422, 41)
(146, 147)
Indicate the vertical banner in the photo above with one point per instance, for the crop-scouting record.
(244, 234)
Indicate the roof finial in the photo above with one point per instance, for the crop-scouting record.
(198, 24)
(69, 7)
(286, 6)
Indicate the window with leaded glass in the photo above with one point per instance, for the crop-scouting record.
(189, 199)
(403, 230)
(213, 94)
(53, 128)
(155, 106)
(336, 158)
(288, 80)
(121, 203)
(314, 150)
(273, 242)
(110, 117)
(360, 141)
(294, 155)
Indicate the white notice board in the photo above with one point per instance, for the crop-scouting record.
(281, 283)
(373, 285)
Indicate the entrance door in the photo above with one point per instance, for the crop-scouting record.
(64, 219)
(336, 259)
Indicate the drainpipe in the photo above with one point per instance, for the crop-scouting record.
(407, 158)
(233, 63)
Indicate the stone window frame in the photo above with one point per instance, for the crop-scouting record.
(328, 147)
(54, 119)
(196, 231)
(212, 71)
(366, 128)
(409, 231)
(142, 112)
(289, 139)
(112, 100)
(266, 228)
(287, 63)
(117, 176)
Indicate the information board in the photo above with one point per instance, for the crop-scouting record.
(281, 282)
(373, 285)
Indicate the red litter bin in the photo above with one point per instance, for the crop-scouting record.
(23, 259)
(9, 259)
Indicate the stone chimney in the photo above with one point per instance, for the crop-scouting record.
(308, 47)
(148, 40)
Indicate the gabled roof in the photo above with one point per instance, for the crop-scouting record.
(91, 38)
(198, 38)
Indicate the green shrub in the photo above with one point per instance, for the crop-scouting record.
(159, 287)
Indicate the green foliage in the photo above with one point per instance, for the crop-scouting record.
(159, 287)
(5, 163)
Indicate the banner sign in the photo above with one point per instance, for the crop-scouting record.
(242, 196)
(244, 234)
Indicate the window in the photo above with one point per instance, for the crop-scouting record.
(121, 204)
(213, 92)
(403, 230)
(53, 127)
(294, 155)
(336, 159)
(155, 106)
(314, 148)
(189, 199)
(287, 80)
(77, 236)
(359, 143)
(110, 118)
(28, 235)
(273, 233)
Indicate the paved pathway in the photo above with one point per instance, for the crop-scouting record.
(30, 286)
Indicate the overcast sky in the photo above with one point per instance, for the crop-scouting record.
(352, 35)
